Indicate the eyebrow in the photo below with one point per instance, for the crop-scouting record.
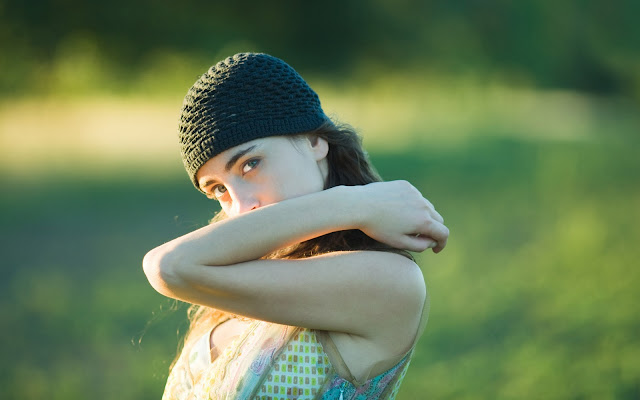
(232, 161)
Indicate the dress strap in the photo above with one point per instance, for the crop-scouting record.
(214, 352)
(341, 367)
(329, 347)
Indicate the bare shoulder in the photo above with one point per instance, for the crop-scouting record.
(391, 274)
(394, 307)
(402, 285)
(388, 291)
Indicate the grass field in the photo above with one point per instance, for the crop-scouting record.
(536, 295)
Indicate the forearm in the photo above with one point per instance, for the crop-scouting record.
(394, 213)
(257, 233)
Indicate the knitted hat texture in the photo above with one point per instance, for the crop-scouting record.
(244, 97)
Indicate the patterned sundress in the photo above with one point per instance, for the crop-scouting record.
(272, 362)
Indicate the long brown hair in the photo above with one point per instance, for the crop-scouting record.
(348, 165)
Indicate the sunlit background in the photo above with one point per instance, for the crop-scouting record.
(519, 120)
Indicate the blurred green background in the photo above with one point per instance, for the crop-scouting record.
(519, 120)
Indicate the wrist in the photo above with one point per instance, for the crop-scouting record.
(350, 205)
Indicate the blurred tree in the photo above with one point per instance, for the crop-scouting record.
(586, 45)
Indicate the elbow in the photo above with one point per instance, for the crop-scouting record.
(160, 268)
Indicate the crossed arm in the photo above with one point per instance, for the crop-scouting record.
(219, 266)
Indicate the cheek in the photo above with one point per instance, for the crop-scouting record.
(295, 177)
(300, 181)
(277, 190)
(228, 210)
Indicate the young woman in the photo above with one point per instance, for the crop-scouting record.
(302, 286)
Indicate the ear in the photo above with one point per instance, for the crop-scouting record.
(319, 147)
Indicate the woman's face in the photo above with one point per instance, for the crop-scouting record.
(264, 171)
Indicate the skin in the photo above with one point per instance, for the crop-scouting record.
(370, 302)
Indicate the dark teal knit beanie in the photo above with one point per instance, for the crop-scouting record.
(244, 97)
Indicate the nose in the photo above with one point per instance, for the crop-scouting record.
(244, 200)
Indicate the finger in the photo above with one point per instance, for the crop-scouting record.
(419, 243)
(439, 247)
(433, 212)
(429, 203)
(435, 236)
(441, 244)
(435, 230)
(436, 215)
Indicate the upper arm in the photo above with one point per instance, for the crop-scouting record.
(352, 292)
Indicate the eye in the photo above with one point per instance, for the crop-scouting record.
(249, 165)
(217, 192)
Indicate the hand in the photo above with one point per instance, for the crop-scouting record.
(397, 214)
